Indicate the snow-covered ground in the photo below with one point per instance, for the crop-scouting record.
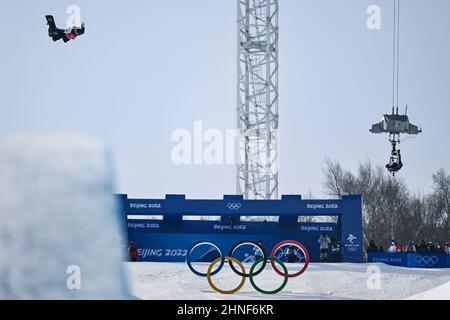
(320, 281)
(439, 293)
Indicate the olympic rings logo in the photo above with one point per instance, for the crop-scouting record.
(427, 261)
(234, 206)
(273, 258)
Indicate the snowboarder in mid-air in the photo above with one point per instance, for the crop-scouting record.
(64, 34)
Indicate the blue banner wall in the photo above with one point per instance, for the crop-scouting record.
(427, 260)
(393, 259)
(411, 260)
(167, 240)
(170, 243)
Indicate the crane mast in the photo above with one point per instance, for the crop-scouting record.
(257, 99)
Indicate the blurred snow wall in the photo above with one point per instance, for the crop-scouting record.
(59, 229)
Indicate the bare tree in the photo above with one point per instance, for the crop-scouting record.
(440, 202)
(333, 178)
(390, 211)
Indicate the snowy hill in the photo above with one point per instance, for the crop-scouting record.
(321, 281)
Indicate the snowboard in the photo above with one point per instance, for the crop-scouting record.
(53, 31)
(51, 22)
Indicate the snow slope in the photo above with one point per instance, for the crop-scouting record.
(439, 293)
(320, 281)
(57, 210)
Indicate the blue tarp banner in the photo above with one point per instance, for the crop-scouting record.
(411, 260)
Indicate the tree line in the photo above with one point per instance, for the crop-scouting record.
(390, 209)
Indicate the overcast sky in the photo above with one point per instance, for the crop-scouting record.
(146, 68)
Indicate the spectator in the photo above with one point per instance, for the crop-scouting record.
(324, 242)
(423, 249)
(372, 247)
(133, 253)
(410, 248)
(393, 247)
(335, 250)
(432, 248)
(290, 254)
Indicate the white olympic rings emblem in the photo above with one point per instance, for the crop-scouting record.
(234, 206)
(427, 260)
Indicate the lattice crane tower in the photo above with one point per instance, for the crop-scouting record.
(257, 105)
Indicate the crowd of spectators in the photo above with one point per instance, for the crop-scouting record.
(422, 247)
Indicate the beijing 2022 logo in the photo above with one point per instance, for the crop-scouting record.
(350, 245)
